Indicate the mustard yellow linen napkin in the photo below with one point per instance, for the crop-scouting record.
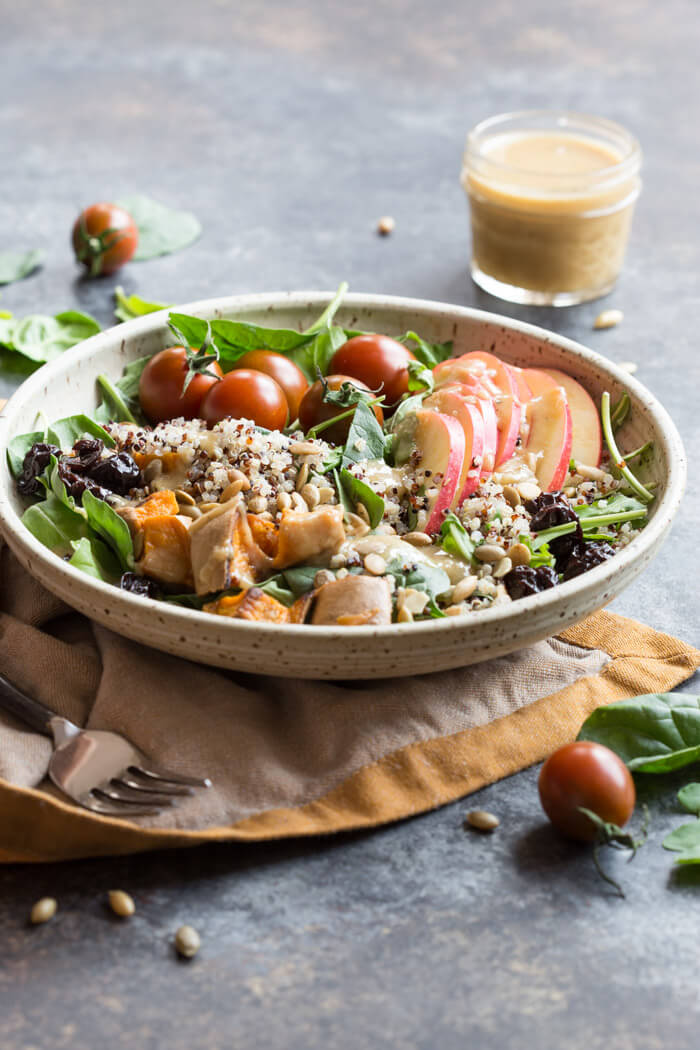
(291, 757)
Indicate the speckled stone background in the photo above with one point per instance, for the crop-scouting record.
(290, 128)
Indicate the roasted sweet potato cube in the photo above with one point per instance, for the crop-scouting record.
(265, 534)
(166, 550)
(158, 505)
(252, 604)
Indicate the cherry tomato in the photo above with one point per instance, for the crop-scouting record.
(161, 383)
(585, 774)
(314, 410)
(245, 394)
(104, 238)
(378, 361)
(289, 376)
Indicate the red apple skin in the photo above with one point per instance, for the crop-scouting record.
(509, 415)
(538, 381)
(587, 438)
(550, 437)
(524, 391)
(440, 440)
(458, 401)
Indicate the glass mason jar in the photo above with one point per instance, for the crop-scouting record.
(551, 197)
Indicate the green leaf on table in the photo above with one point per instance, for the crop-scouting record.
(358, 491)
(65, 432)
(16, 265)
(429, 354)
(684, 838)
(653, 733)
(130, 306)
(365, 437)
(111, 528)
(162, 230)
(92, 557)
(689, 798)
(42, 338)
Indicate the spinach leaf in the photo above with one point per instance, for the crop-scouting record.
(120, 400)
(343, 497)
(422, 576)
(110, 527)
(455, 539)
(326, 318)
(41, 338)
(365, 437)
(300, 579)
(18, 448)
(315, 357)
(92, 557)
(429, 354)
(129, 306)
(162, 230)
(360, 492)
(16, 265)
(653, 733)
(194, 329)
(684, 839)
(235, 338)
(689, 798)
(55, 524)
(276, 587)
(65, 432)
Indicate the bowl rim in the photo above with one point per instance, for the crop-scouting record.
(584, 585)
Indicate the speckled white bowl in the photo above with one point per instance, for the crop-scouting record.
(68, 385)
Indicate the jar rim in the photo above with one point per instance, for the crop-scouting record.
(600, 128)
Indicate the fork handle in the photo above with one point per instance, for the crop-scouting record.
(24, 707)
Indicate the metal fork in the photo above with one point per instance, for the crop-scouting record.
(100, 770)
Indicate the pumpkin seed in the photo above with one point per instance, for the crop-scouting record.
(590, 473)
(310, 495)
(386, 225)
(418, 539)
(528, 490)
(231, 490)
(375, 564)
(502, 568)
(511, 495)
(302, 476)
(188, 512)
(519, 554)
(187, 941)
(43, 910)
(489, 552)
(608, 319)
(184, 498)
(482, 820)
(464, 589)
(121, 903)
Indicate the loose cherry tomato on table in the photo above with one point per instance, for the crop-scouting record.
(314, 410)
(245, 394)
(289, 376)
(379, 361)
(161, 383)
(590, 775)
(104, 238)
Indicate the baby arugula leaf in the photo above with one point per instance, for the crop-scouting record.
(358, 491)
(16, 265)
(653, 733)
(162, 230)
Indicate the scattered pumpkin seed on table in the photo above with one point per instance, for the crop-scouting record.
(187, 941)
(121, 903)
(482, 820)
(43, 910)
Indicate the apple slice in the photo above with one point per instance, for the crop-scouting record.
(509, 414)
(455, 370)
(488, 413)
(524, 392)
(550, 437)
(587, 438)
(457, 400)
(538, 381)
(491, 370)
(440, 442)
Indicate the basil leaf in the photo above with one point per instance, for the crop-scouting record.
(162, 230)
(420, 575)
(18, 448)
(365, 437)
(129, 306)
(360, 492)
(55, 524)
(65, 432)
(429, 354)
(42, 338)
(653, 733)
(455, 539)
(689, 798)
(16, 265)
(684, 838)
(110, 527)
(234, 338)
(92, 557)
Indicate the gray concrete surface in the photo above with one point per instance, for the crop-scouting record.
(290, 128)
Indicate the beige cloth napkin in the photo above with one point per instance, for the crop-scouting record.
(289, 756)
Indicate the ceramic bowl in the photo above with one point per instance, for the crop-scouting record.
(67, 386)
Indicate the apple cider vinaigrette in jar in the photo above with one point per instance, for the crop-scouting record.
(551, 197)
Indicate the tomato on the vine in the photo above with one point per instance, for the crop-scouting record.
(162, 382)
(245, 394)
(314, 410)
(104, 238)
(288, 375)
(379, 361)
(590, 775)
